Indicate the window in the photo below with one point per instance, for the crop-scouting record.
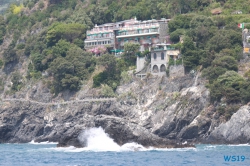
(155, 56)
(162, 56)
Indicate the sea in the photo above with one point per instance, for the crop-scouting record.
(101, 150)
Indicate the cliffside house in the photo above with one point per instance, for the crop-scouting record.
(160, 56)
(114, 35)
(150, 35)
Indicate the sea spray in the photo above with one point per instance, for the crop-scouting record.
(41, 143)
(95, 139)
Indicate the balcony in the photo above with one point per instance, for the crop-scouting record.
(138, 32)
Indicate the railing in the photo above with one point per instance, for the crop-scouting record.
(158, 49)
(137, 32)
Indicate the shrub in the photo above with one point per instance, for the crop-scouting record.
(20, 46)
(107, 91)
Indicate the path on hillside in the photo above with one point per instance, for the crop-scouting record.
(63, 102)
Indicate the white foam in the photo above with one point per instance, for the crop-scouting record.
(42, 143)
(239, 145)
(97, 140)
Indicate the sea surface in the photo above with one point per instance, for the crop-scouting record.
(102, 151)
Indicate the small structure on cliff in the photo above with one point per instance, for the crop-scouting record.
(160, 57)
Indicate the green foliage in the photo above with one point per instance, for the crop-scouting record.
(68, 32)
(20, 46)
(224, 39)
(179, 22)
(227, 62)
(37, 62)
(107, 91)
(228, 111)
(219, 66)
(16, 81)
(16, 9)
(70, 70)
(99, 79)
(41, 5)
(245, 91)
(2, 29)
(228, 86)
(175, 36)
(125, 77)
(1, 63)
(111, 75)
(10, 55)
(130, 50)
(201, 21)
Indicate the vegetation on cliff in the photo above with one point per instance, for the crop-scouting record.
(50, 35)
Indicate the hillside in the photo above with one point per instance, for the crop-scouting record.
(45, 67)
(5, 3)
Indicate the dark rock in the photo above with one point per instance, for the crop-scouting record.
(177, 112)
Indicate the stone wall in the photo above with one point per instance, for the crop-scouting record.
(176, 71)
(140, 63)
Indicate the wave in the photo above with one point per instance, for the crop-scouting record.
(239, 144)
(96, 140)
(42, 143)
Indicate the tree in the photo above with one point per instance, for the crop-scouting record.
(111, 75)
(219, 66)
(227, 85)
(200, 21)
(245, 92)
(109, 62)
(224, 39)
(2, 29)
(68, 32)
(179, 22)
(130, 50)
(69, 71)
(37, 62)
(10, 55)
(16, 81)
(107, 91)
(187, 45)
(175, 36)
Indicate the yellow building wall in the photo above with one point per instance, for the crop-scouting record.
(246, 50)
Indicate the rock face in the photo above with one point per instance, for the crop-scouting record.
(236, 130)
(155, 112)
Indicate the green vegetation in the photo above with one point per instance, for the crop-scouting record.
(2, 29)
(51, 37)
(69, 32)
(16, 81)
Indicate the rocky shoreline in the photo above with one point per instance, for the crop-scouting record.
(174, 116)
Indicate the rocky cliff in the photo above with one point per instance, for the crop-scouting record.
(156, 111)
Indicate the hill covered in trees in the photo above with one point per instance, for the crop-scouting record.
(46, 37)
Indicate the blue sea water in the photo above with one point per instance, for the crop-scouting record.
(48, 155)
(101, 150)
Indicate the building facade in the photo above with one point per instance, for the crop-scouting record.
(114, 35)
(160, 56)
(246, 41)
(150, 35)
